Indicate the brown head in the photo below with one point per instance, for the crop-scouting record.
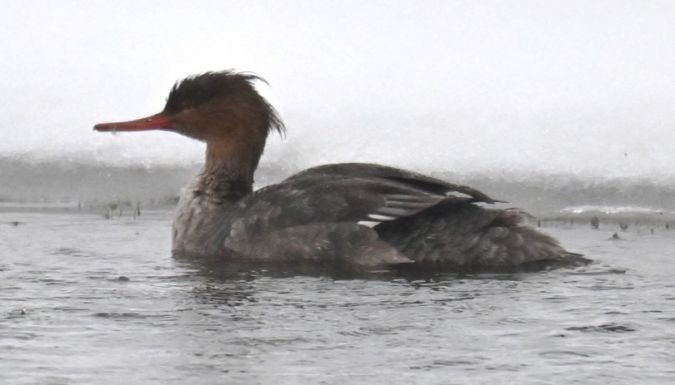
(222, 109)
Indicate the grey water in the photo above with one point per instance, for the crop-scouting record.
(84, 299)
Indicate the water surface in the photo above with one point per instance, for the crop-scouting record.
(87, 300)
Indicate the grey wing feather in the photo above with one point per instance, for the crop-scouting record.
(410, 178)
(334, 198)
(352, 192)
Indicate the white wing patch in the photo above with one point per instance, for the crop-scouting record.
(370, 224)
(381, 218)
(401, 205)
(457, 194)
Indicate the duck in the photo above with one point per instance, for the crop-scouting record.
(358, 215)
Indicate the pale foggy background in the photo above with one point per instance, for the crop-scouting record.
(579, 91)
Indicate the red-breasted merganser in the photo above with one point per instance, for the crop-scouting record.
(324, 215)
